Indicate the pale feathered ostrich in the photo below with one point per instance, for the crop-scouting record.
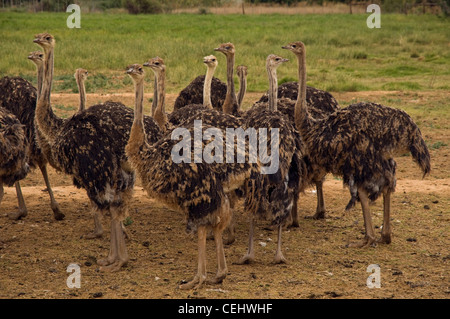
(19, 97)
(204, 111)
(273, 195)
(198, 190)
(13, 156)
(90, 147)
(359, 143)
(193, 93)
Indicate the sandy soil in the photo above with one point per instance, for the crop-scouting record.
(36, 251)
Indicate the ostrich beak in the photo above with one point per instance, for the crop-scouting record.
(286, 47)
(129, 71)
(146, 64)
(285, 60)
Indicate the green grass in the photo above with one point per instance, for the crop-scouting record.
(407, 53)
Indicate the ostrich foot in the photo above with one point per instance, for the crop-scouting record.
(111, 267)
(385, 239)
(367, 241)
(195, 283)
(57, 214)
(279, 258)
(245, 260)
(17, 215)
(317, 215)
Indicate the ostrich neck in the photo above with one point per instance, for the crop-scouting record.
(207, 87)
(303, 119)
(160, 113)
(47, 122)
(273, 86)
(82, 90)
(155, 96)
(137, 138)
(242, 88)
(40, 75)
(230, 103)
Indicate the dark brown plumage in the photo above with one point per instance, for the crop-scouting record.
(273, 196)
(359, 143)
(13, 157)
(320, 103)
(198, 190)
(90, 147)
(19, 96)
(193, 93)
(13, 149)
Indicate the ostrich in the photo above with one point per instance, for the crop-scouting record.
(198, 190)
(80, 76)
(19, 97)
(320, 104)
(274, 195)
(90, 147)
(13, 156)
(203, 111)
(359, 143)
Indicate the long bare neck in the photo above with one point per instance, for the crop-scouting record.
(207, 87)
(40, 75)
(48, 76)
(139, 102)
(302, 117)
(47, 122)
(160, 115)
(230, 104)
(273, 88)
(82, 90)
(242, 88)
(137, 138)
(155, 96)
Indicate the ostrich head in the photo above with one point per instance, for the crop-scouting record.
(136, 72)
(81, 74)
(241, 70)
(45, 40)
(297, 48)
(37, 57)
(226, 48)
(156, 64)
(210, 61)
(274, 61)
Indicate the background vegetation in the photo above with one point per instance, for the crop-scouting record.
(406, 53)
(165, 6)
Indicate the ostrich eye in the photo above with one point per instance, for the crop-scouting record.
(48, 38)
(214, 60)
(140, 69)
(294, 46)
(156, 63)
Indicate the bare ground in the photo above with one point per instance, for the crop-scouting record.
(36, 251)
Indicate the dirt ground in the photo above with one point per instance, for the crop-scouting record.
(36, 251)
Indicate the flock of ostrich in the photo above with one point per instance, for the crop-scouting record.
(104, 147)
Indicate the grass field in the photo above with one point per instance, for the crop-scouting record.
(406, 53)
